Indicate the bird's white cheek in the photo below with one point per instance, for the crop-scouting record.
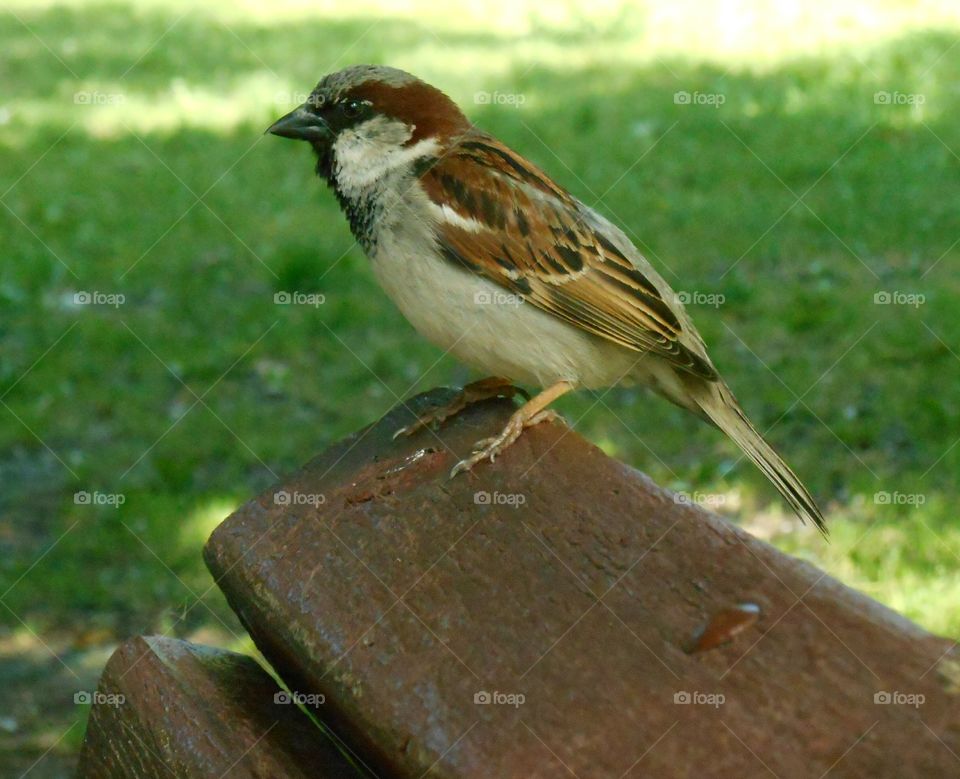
(365, 155)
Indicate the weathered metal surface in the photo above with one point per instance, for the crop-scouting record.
(564, 587)
(168, 708)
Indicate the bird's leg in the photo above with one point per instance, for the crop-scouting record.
(533, 412)
(474, 392)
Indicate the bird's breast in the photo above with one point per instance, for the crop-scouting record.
(478, 321)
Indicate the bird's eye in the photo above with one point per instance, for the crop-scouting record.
(353, 108)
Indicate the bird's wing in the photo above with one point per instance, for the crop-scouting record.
(501, 217)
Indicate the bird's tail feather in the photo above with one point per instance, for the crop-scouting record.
(719, 404)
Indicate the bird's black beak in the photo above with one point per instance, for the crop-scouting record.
(303, 125)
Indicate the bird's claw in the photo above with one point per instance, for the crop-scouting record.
(490, 448)
(408, 429)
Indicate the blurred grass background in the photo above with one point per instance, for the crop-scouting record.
(132, 163)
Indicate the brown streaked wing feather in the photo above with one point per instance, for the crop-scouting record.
(538, 245)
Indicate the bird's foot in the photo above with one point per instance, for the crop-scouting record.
(489, 448)
(484, 389)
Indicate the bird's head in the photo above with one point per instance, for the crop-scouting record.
(366, 120)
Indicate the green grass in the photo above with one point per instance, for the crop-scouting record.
(861, 398)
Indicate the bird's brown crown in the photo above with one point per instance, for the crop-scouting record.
(397, 94)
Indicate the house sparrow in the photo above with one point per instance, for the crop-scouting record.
(494, 262)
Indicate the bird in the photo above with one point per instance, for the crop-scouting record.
(494, 262)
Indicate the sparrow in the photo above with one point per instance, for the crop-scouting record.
(497, 264)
